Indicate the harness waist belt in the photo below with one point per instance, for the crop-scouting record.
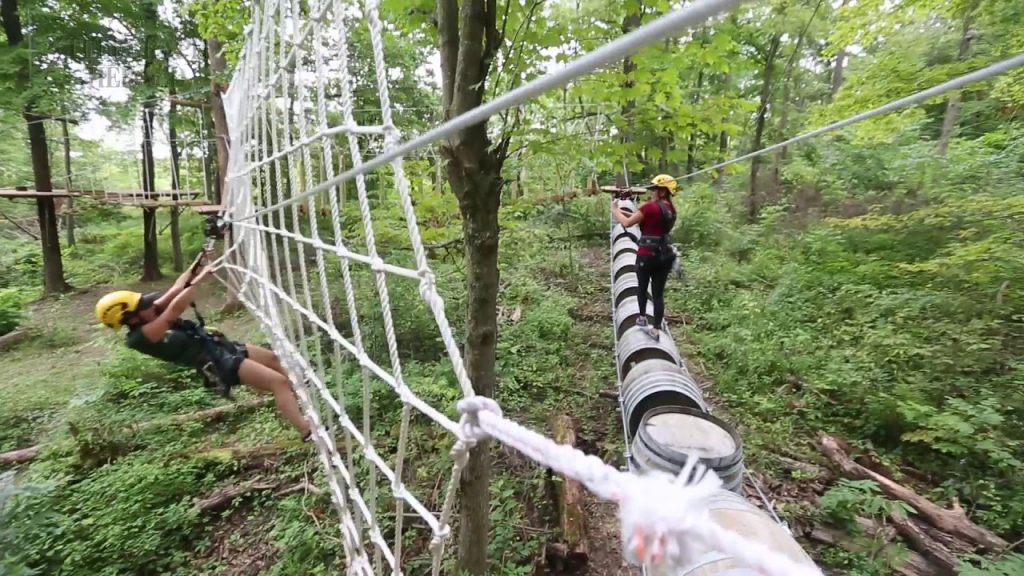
(652, 241)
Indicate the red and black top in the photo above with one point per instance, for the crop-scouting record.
(654, 224)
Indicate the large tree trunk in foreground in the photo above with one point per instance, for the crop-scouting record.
(53, 266)
(630, 22)
(468, 41)
(218, 70)
(954, 522)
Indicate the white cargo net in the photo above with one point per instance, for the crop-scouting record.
(278, 107)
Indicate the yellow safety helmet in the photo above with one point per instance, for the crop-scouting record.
(664, 181)
(112, 308)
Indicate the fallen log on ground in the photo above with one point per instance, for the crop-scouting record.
(23, 455)
(807, 468)
(12, 338)
(944, 560)
(223, 496)
(247, 452)
(914, 564)
(953, 521)
(210, 414)
(572, 553)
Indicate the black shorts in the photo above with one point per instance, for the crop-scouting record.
(227, 356)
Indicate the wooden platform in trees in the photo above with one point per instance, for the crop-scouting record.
(206, 209)
(160, 199)
(13, 193)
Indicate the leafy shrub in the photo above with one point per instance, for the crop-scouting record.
(12, 309)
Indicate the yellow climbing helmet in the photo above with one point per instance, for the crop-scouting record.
(112, 308)
(664, 181)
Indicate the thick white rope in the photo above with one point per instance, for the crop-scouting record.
(661, 515)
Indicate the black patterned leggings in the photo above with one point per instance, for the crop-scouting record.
(653, 270)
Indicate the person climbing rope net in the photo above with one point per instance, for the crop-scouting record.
(156, 328)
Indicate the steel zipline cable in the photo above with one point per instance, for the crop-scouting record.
(976, 76)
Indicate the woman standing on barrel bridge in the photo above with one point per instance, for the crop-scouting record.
(654, 257)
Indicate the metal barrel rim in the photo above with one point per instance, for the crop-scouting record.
(659, 389)
(670, 455)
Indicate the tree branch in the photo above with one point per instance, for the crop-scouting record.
(492, 40)
(511, 46)
(189, 103)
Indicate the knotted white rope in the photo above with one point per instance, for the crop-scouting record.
(662, 516)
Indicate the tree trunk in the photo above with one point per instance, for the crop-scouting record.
(211, 183)
(949, 121)
(479, 195)
(468, 41)
(53, 266)
(218, 68)
(574, 555)
(69, 215)
(172, 134)
(837, 72)
(150, 253)
(629, 23)
(691, 149)
(753, 201)
(792, 67)
(723, 143)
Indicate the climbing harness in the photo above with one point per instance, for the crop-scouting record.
(215, 343)
(662, 249)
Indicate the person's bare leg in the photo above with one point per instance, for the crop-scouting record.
(264, 379)
(266, 358)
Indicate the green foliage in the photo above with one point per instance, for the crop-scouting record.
(12, 309)
(1008, 565)
(850, 498)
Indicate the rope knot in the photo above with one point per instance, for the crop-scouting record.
(377, 264)
(469, 423)
(428, 283)
(392, 135)
(661, 515)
